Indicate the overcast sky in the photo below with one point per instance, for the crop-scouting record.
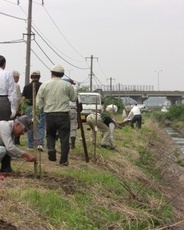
(132, 39)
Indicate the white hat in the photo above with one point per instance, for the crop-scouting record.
(15, 73)
(57, 69)
(35, 72)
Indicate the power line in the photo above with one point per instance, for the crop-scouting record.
(101, 70)
(59, 54)
(85, 80)
(13, 41)
(62, 33)
(49, 41)
(97, 79)
(52, 48)
(11, 16)
(44, 52)
(10, 2)
(45, 39)
(40, 59)
(38, 3)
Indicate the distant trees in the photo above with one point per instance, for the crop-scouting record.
(176, 112)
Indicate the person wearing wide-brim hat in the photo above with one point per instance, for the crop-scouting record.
(9, 129)
(55, 95)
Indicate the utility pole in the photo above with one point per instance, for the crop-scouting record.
(91, 71)
(28, 48)
(28, 43)
(111, 84)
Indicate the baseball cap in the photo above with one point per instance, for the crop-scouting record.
(57, 69)
(35, 72)
(26, 121)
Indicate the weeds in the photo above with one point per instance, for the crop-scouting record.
(121, 189)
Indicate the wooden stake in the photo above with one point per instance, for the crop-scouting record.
(95, 131)
(82, 132)
(34, 125)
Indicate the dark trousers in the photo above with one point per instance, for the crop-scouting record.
(5, 109)
(5, 112)
(58, 122)
(138, 120)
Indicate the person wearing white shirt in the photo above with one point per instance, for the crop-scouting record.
(135, 116)
(16, 76)
(8, 94)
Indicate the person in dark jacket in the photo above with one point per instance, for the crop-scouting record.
(27, 104)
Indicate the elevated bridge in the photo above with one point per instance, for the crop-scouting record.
(139, 93)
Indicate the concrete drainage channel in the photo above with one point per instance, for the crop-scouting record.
(177, 138)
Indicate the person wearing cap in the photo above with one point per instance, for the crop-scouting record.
(27, 107)
(8, 129)
(55, 95)
(16, 76)
(101, 122)
(8, 95)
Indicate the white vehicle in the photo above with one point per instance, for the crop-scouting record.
(90, 101)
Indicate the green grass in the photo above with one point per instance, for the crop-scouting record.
(118, 190)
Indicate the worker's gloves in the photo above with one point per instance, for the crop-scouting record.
(13, 113)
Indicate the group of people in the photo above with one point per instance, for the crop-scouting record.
(106, 124)
(54, 102)
(134, 116)
(8, 127)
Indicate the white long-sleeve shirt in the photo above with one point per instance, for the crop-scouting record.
(6, 139)
(8, 87)
(134, 111)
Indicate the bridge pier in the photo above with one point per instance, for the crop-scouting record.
(174, 100)
(140, 99)
(175, 97)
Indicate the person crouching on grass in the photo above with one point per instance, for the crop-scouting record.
(9, 130)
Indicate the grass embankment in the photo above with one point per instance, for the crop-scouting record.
(121, 189)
